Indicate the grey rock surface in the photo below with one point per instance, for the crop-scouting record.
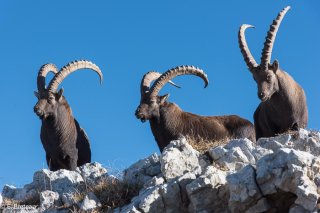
(49, 200)
(278, 174)
(90, 202)
(179, 158)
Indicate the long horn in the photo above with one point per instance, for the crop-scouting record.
(147, 80)
(170, 74)
(248, 58)
(271, 36)
(41, 79)
(68, 69)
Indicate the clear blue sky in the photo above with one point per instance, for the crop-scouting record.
(126, 39)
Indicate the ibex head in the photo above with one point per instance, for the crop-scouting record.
(150, 102)
(49, 100)
(265, 72)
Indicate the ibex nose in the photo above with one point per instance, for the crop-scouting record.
(137, 111)
(261, 94)
(36, 109)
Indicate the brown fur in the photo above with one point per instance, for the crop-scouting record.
(168, 122)
(64, 141)
(285, 109)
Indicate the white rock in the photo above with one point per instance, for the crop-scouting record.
(290, 171)
(172, 198)
(1, 200)
(90, 202)
(20, 194)
(21, 209)
(126, 209)
(234, 155)
(49, 199)
(8, 191)
(260, 152)
(275, 143)
(244, 192)
(61, 181)
(143, 170)
(209, 192)
(155, 181)
(92, 173)
(68, 199)
(151, 201)
(303, 140)
(179, 158)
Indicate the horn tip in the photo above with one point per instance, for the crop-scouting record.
(247, 26)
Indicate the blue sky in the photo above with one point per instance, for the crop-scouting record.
(126, 39)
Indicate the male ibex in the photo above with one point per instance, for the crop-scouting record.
(283, 104)
(65, 142)
(168, 121)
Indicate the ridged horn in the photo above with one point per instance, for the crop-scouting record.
(146, 81)
(41, 79)
(170, 74)
(248, 58)
(268, 44)
(70, 68)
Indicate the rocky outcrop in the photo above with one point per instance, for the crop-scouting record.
(56, 189)
(279, 174)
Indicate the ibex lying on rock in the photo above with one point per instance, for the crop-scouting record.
(65, 142)
(283, 104)
(168, 121)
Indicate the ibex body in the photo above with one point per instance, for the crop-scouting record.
(283, 104)
(65, 142)
(168, 122)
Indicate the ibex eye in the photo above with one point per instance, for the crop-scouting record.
(268, 78)
(50, 99)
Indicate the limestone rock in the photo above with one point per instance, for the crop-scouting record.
(143, 170)
(49, 200)
(302, 140)
(234, 155)
(92, 173)
(90, 202)
(209, 192)
(20, 194)
(244, 192)
(292, 172)
(179, 158)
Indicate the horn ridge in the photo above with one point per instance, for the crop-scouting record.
(70, 68)
(172, 73)
(269, 42)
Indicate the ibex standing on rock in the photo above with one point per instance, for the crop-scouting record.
(283, 104)
(168, 121)
(65, 142)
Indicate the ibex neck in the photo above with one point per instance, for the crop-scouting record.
(62, 126)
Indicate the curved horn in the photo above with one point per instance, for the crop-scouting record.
(41, 79)
(248, 58)
(181, 70)
(268, 44)
(146, 82)
(147, 79)
(69, 68)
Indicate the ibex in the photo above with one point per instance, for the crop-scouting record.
(283, 104)
(65, 142)
(168, 122)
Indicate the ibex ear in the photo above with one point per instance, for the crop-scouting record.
(164, 98)
(37, 94)
(60, 93)
(275, 66)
